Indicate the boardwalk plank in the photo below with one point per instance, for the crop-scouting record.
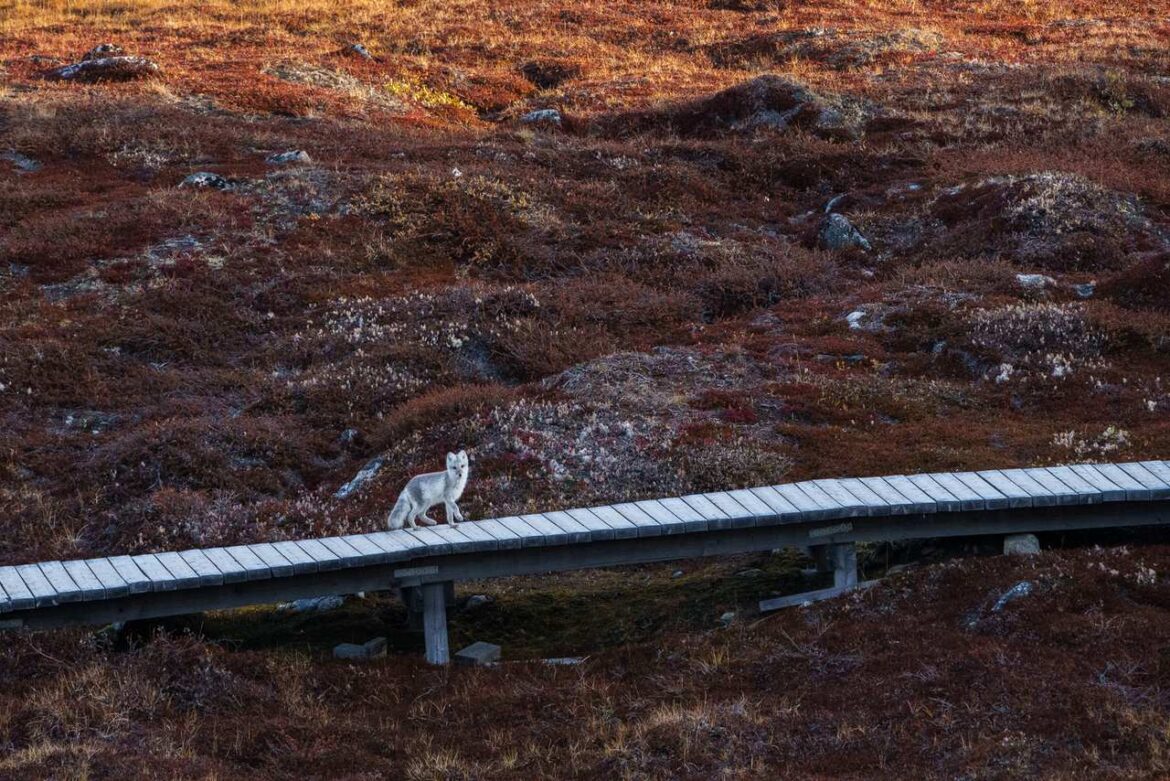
(529, 537)
(1134, 491)
(851, 506)
(1157, 488)
(301, 559)
(231, 570)
(904, 486)
(763, 512)
(944, 500)
(790, 503)
(643, 523)
(42, 591)
(113, 583)
(460, 542)
(553, 534)
(19, 597)
(1041, 496)
(278, 565)
(1065, 494)
(878, 505)
(668, 521)
(994, 498)
(256, 567)
(136, 579)
(831, 507)
(1160, 469)
(692, 520)
(88, 584)
(371, 553)
(59, 579)
(483, 540)
(181, 571)
(969, 499)
(209, 574)
(735, 515)
(1012, 493)
(160, 577)
(348, 555)
(1110, 491)
(1077, 483)
(505, 537)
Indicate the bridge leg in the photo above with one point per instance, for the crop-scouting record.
(434, 598)
(844, 558)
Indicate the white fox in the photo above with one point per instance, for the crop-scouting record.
(425, 491)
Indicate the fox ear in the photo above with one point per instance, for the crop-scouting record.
(463, 455)
(451, 458)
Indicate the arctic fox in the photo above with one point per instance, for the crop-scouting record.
(425, 491)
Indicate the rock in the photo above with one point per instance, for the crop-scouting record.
(358, 50)
(1034, 281)
(312, 605)
(1020, 545)
(1021, 589)
(752, 572)
(543, 116)
(349, 436)
(206, 179)
(118, 68)
(22, 163)
(1086, 290)
(360, 479)
(372, 649)
(289, 157)
(479, 600)
(837, 233)
(728, 618)
(103, 51)
(678, 573)
(477, 654)
(855, 318)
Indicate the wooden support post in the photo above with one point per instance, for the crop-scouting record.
(434, 596)
(844, 557)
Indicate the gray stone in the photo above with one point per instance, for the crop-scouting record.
(289, 157)
(359, 480)
(479, 600)
(1087, 290)
(22, 163)
(102, 51)
(1034, 281)
(106, 69)
(372, 649)
(312, 605)
(1020, 545)
(359, 50)
(678, 573)
(728, 618)
(1021, 589)
(206, 179)
(479, 653)
(542, 116)
(838, 233)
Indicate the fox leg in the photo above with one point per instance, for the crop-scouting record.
(426, 519)
(453, 513)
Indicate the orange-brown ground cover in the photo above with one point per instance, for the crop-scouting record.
(635, 302)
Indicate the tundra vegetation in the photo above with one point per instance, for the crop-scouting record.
(614, 250)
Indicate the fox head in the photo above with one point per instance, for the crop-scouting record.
(457, 464)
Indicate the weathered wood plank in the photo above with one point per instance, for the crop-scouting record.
(968, 499)
(993, 498)
(643, 523)
(710, 512)
(552, 533)
(482, 539)
(878, 505)
(278, 565)
(160, 577)
(735, 515)
(1014, 495)
(297, 557)
(827, 504)
(789, 503)
(850, 505)
(181, 571)
(944, 500)
(1110, 491)
(505, 537)
(348, 554)
(209, 574)
(923, 501)
(231, 570)
(114, 584)
(135, 578)
(87, 583)
(1134, 491)
(691, 520)
(370, 552)
(529, 537)
(54, 572)
(326, 559)
(19, 596)
(1041, 496)
(460, 542)
(1158, 489)
(1161, 469)
(1064, 494)
(1076, 483)
(256, 567)
(668, 522)
(763, 512)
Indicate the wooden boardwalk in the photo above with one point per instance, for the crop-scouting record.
(831, 512)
